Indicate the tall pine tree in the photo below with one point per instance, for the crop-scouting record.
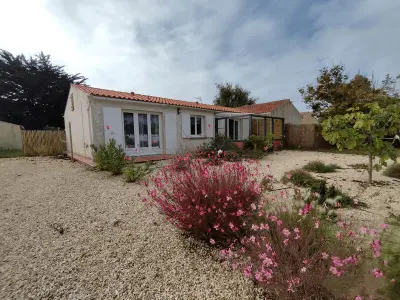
(33, 91)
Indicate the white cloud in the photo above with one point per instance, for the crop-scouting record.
(180, 49)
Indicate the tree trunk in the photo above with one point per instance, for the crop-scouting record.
(370, 160)
(370, 168)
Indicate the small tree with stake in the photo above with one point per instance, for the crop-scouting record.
(365, 129)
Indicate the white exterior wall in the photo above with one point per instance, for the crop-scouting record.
(10, 136)
(187, 143)
(289, 112)
(168, 120)
(79, 118)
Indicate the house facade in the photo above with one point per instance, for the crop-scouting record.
(146, 125)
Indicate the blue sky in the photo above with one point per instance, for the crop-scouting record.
(181, 48)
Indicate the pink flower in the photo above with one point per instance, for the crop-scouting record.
(247, 271)
(339, 235)
(393, 280)
(288, 176)
(209, 125)
(108, 126)
(253, 206)
(296, 230)
(285, 242)
(266, 148)
(372, 232)
(324, 255)
(333, 270)
(384, 226)
(358, 297)
(279, 222)
(377, 273)
(317, 224)
(285, 232)
(239, 212)
(212, 242)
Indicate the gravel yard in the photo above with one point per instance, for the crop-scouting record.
(69, 233)
(112, 247)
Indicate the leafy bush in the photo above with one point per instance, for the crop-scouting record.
(254, 142)
(219, 142)
(134, 172)
(109, 157)
(295, 256)
(206, 201)
(391, 253)
(318, 166)
(393, 171)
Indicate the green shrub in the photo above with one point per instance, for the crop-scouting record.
(359, 166)
(109, 157)
(134, 172)
(219, 142)
(301, 178)
(393, 171)
(318, 166)
(254, 142)
(391, 253)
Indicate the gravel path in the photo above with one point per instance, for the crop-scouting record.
(68, 233)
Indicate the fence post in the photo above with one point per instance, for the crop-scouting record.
(70, 141)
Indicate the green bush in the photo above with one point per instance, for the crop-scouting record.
(219, 142)
(318, 166)
(301, 178)
(134, 172)
(391, 253)
(393, 171)
(109, 157)
(254, 142)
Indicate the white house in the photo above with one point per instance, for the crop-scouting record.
(147, 125)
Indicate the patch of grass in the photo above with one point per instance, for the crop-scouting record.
(359, 166)
(393, 171)
(319, 166)
(7, 153)
(302, 178)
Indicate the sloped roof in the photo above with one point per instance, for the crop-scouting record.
(145, 98)
(263, 107)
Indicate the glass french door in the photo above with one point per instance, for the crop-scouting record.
(142, 133)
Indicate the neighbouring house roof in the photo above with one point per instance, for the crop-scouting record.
(145, 98)
(263, 107)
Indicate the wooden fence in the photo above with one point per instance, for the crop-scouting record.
(305, 136)
(43, 142)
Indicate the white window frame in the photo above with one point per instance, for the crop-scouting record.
(202, 118)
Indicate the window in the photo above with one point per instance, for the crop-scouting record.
(196, 126)
(233, 127)
(143, 130)
(155, 130)
(129, 130)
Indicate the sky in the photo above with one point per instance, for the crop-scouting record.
(181, 48)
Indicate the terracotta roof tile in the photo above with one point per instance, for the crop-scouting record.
(263, 107)
(152, 99)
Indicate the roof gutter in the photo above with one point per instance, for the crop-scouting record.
(152, 103)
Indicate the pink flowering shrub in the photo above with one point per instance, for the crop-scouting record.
(206, 200)
(297, 255)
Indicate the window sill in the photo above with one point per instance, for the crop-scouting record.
(195, 138)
